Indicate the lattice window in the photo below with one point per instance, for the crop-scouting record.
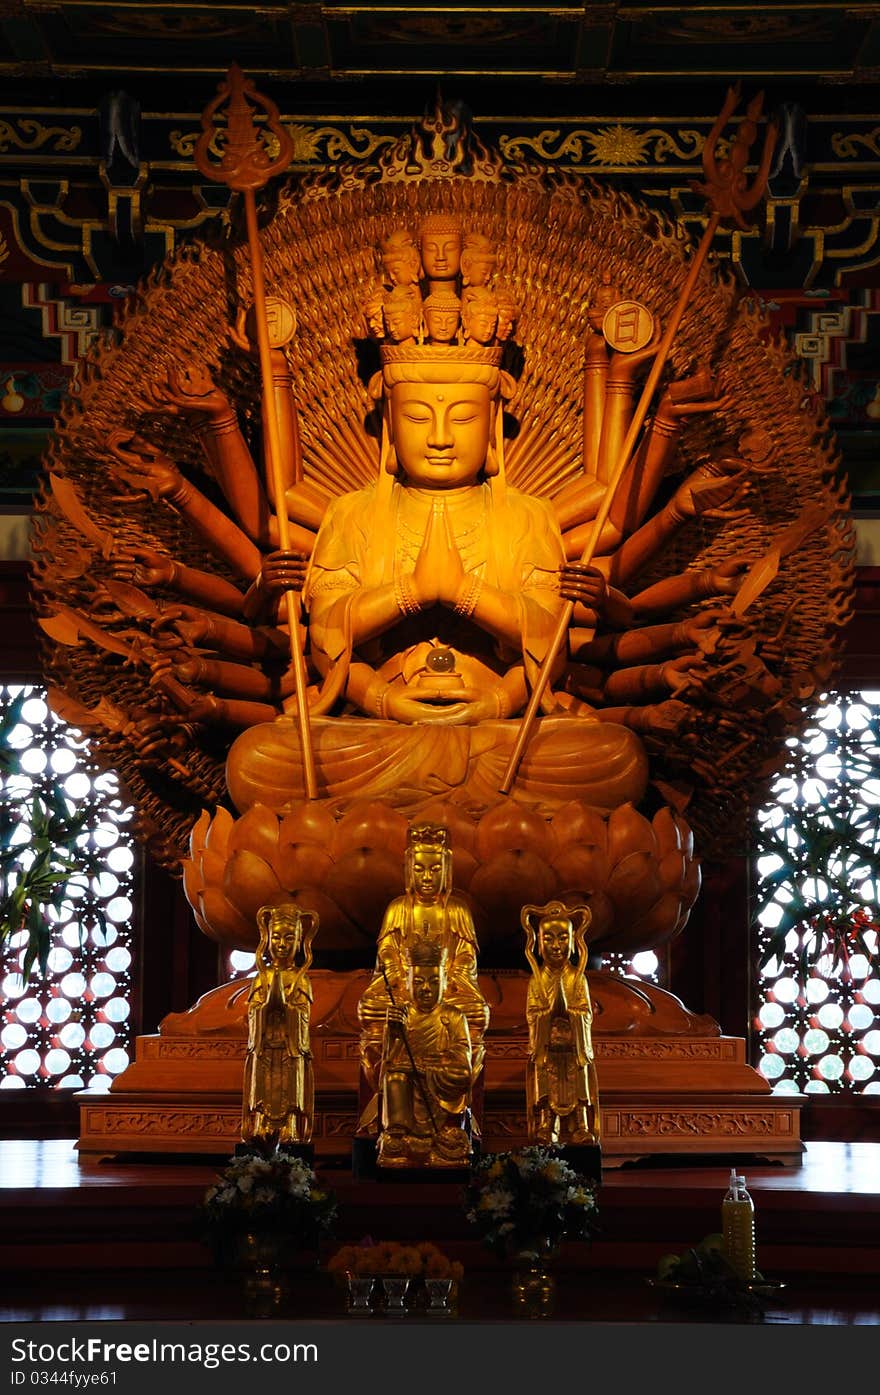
(72, 1028)
(818, 1030)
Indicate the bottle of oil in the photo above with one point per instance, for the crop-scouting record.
(738, 1228)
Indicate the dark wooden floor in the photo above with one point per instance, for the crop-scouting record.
(89, 1239)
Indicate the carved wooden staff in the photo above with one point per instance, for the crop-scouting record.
(245, 166)
(728, 195)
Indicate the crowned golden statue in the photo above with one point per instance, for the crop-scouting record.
(279, 1084)
(429, 911)
(562, 1093)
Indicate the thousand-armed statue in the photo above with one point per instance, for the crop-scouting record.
(551, 552)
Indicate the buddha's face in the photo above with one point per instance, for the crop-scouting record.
(426, 985)
(441, 432)
(283, 941)
(427, 873)
(477, 266)
(441, 255)
(441, 322)
(400, 258)
(401, 320)
(479, 318)
(554, 939)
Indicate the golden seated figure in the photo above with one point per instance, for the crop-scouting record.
(432, 597)
(429, 911)
(426, 1070)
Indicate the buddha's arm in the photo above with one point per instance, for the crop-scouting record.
(697, 585)
(146, 567)
(228, 637)
(145, 469)
(639, 646)
(698, 495)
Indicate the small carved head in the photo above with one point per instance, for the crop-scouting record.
(478, 258)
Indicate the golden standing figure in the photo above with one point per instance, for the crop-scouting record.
(279, 1084)
(426, 1070)
(429, 911)
(562, 1094)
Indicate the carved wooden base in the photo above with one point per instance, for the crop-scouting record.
(669, 1082)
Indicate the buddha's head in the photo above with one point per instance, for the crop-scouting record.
(442, 402)
(440, 241)
(428, 862)
(555, 939)
(426, 974)
(478, 260)
(402, 312)
(442, 314)
(400, 258)
(479, 314)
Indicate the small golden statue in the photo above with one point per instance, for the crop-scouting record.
(562, 1096)
(279, 1085)
(426, 1070)
(429, 910)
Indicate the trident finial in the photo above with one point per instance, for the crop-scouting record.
(245, 162)
(726, 187)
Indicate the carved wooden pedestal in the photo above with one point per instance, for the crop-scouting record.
(669, 1082)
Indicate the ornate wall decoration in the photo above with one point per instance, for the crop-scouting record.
(30, 135)
(311, 144)
(850, 146)
(616, 146)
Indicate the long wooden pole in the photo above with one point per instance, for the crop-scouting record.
(246, 166)
(561, 632)
(291, 600)
(728, 194)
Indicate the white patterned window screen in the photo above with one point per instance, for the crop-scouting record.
(818, 1030)
(71, 1028)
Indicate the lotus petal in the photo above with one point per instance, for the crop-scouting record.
(629, 832)
(657, 925)
(577, 822)
(218, 833)
(311, 822)
(199, 833)
(581, 867)
(672, 871)
(257, 831)
(602, 924)
(464, 865)
(634, 885)
(667, 831)
(250, 883)
(509, 882)
(301, 865)
(225, 923)
(369, 824)
(362, 882)
(462, 828)
(511, 827)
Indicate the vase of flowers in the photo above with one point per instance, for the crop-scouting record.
(261, 1211)
(524, 1204)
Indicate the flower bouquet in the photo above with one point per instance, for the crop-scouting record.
(527, 1202)
(274, 1201)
